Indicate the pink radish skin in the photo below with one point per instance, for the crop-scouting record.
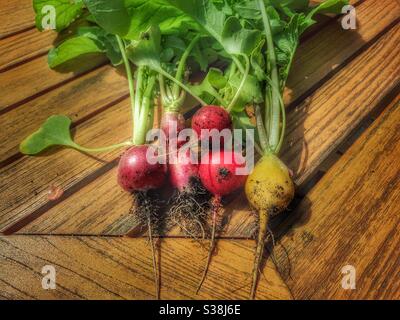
(219, 177)
(211, 117)
(182, 171)
(135, 173)
(172, 123)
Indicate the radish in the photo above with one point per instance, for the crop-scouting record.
(173, 93)
(172, 123)
(269, 189)
(190, 203)
(211, 117)
(136, 174)
(218, 173)
(261, 56)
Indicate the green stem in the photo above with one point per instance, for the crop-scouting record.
(239, 91)
(261, 130)
(182, 65)
(288, 67)
(130, 79)
(282, 111)
(231, 71)
(238, 64)
(182, 85)
(140, 77)
(219, 98)
(139, 93)
(164, 98)
(145, 113)
(103, 149)
(275, 121)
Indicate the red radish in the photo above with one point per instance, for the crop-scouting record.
(218, 172)
(182, 170)
(211, 117)
(172, 123)
(190, 203)
(135, 173)
(219, 175)
(140, 177)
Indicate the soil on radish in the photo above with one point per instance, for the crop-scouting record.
(189, 209)
(147, 208)
(278, 192)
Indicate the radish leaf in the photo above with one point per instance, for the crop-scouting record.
(55, 131)
(227, 30)
(71, 49)
(88, 40)
(66, 11)
(129, 18)
(147, 50)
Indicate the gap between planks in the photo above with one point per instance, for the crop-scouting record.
(350, 217)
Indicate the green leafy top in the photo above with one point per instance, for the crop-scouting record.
(129, 18)
(66, 11)
(167, 38)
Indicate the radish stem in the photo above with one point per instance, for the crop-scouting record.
(275, 107)
(103, 149)
(130, 80)
(261, 129)
(239, 91)
(142, 126)
(182, 65)
(180, 84)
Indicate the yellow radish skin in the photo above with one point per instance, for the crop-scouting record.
(269, 189)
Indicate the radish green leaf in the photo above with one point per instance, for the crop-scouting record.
(66, 11)
(55, 131)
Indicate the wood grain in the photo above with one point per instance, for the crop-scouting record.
(15, 16)
(331, 47)
(65, 170)
(121, 268)
(77, 99)
(14, 48)
(328, 116)
(34, 78)
(242, 221)
(352, 217)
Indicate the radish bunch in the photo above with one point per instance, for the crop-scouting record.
(254, 44)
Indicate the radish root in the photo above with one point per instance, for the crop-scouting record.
(262, 235)
(216, 206)
(155, 265)
(146, 208)
(189, 208)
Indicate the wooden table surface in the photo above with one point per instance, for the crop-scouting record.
(343, 144)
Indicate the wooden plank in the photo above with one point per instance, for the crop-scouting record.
(352, 217)
(34, 78)
(310, 122)
(121, 268)
(14, 48)
(332, 46)
(26, 182)
(322, 122)
(77, 99)
(15, 16)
